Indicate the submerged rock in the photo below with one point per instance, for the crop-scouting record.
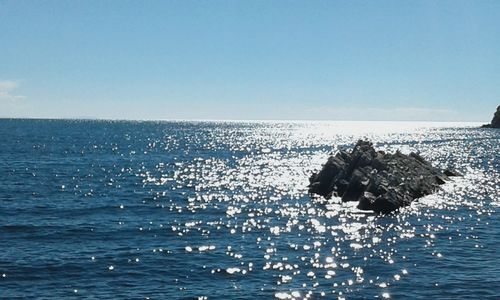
(495, 123)
(379, 181)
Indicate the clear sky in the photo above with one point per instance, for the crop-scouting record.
(327, 60)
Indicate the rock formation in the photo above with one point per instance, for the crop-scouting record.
(495, 123)
(379, 181)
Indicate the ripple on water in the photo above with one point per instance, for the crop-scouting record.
(180, 209)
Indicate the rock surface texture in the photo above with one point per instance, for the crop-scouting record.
(495, 123)
(379, 181)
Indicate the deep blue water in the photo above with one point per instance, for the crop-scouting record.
(182, 210)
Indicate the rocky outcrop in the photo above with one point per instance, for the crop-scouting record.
(495, 123)
(379, 181)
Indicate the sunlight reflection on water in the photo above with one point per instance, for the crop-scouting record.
(318, 247)
(220, 209)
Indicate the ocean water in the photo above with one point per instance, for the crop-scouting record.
(220, 210)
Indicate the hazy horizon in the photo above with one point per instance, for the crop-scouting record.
(241, 120)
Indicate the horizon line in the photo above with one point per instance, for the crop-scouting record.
(220, 120)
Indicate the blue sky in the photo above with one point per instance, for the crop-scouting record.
(326, 60)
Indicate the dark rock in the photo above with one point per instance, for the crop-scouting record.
(440, 180)
(495, 122)
(366, 201)
(451, 173)
(379, 181)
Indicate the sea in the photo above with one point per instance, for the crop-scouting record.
(97, 209)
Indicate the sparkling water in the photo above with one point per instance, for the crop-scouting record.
(220, 210)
